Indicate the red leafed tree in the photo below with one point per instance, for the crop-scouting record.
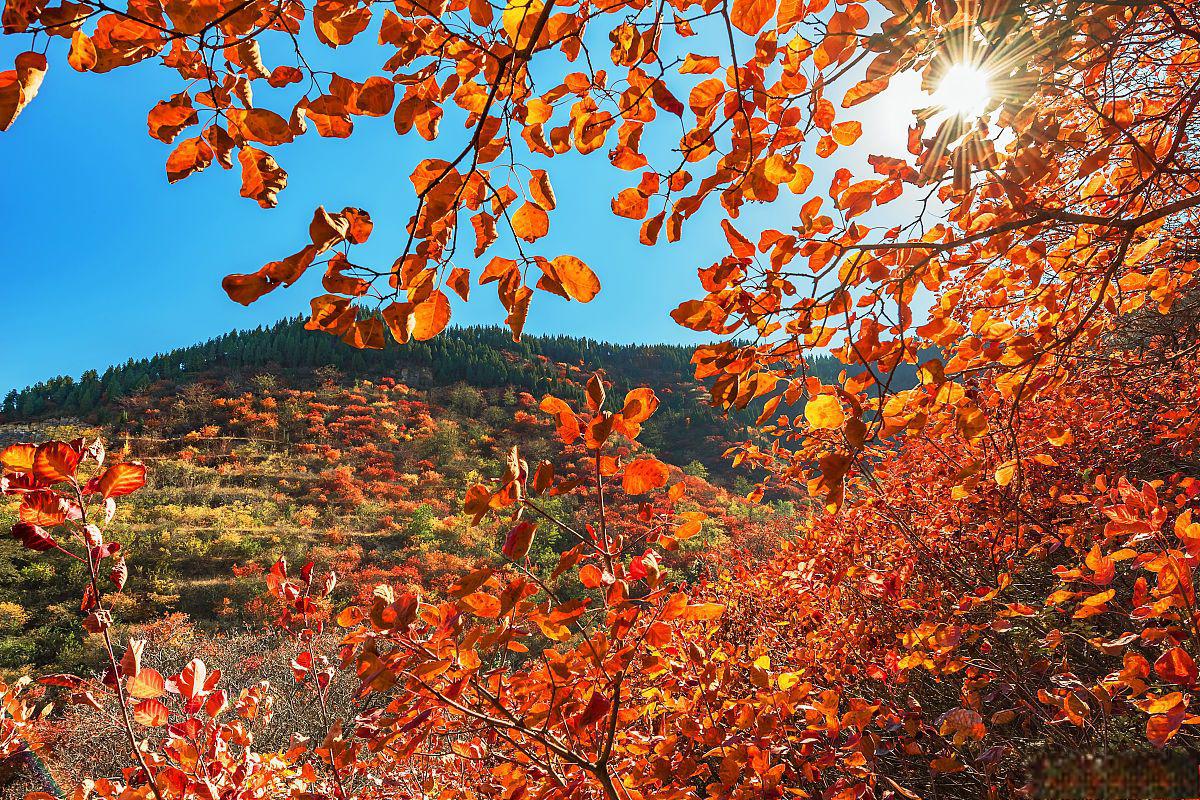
(996, 561)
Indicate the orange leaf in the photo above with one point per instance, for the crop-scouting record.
(194, 680)
(693, 523)
(260, 125)
(595, 392)
(518, 310)
(191, 16)
(702, 65)
(400, 321)
(631, 204)
(640, 404)
(575, 277)
(245, 289)
(1161, 728)
(519, 540)
(151, 713)
(336, 282)
(1176, 666)
(376, 97)
(19, 86)
(565, 419)
(790, 12)
(971, 421)
(338, 23)
(262, 178)
(282, 76)
(365, 334)
(483, 605)
(553, 405)
(701, 612)
(169, 117)
(44, 507)
(331, 314)
(863, 91)
(55, 461)
(477, 502)
(82, 55)
(801, 180)
(847, 133)
(519, 20)
(485, 232)
(146, 684)
(192, 155)
(18, 457)
(460, 282)
(530, 223)
(824, 412)
(360, 224)
(699, 315)
(590, 576)
(644, 475)
(122, 479)
(705, 95)
(598, 431)
(749, 16)
(431, 316)
(541, 191)
(325, 230)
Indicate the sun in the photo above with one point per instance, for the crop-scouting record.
(964, 90)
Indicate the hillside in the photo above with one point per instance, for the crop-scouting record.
(481, 357)
(484, 357)
(284, 442)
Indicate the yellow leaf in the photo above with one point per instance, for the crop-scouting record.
(519, 19)
(824, 411)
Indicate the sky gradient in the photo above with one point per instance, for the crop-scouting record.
(107, 261)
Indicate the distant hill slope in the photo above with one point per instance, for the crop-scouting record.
(685, 429)
(284, 442)
(281, 441)
(484, 357)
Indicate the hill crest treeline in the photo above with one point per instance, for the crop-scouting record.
(482, 356)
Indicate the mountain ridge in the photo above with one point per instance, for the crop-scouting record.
(482, 356)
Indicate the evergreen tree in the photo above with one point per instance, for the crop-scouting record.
(483, 357)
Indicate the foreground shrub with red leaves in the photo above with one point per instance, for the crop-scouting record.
(994, 591)
(996, 564)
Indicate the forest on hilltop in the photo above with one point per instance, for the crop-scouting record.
(484, 357)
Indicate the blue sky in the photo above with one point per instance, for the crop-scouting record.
(106, 260)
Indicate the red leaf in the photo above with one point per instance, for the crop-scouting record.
(519, 540)
(32, 537)
(597, 706)
(1176, 666)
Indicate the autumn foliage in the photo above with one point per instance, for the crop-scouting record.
(988, 567)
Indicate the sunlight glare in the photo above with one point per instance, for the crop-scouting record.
(964, 90)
